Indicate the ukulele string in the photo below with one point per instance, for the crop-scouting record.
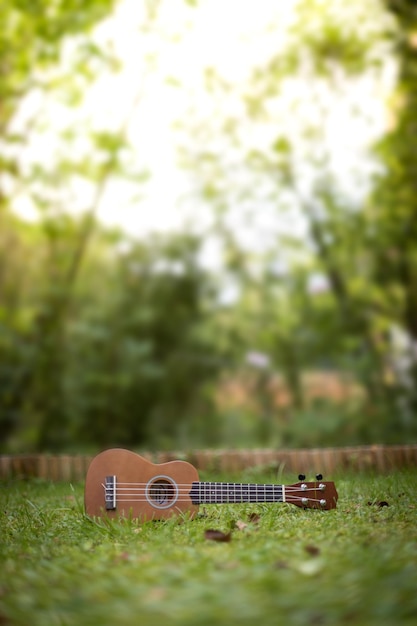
(140, 492)
(250, 501)
(219, 488)
(207, 485)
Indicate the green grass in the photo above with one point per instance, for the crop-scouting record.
(356, 565)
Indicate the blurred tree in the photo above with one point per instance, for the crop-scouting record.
(256, 158)
(97, 345)
(32, 40)
(135, 358)
(392, 220)
(104, 341)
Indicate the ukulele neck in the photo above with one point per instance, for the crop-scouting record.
(218, 493)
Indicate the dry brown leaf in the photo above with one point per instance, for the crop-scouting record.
(217, 535)
(312, 550)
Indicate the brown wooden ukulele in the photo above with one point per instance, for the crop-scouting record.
(120, 483)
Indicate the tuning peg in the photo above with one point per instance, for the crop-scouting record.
(319, 476)
(301, 477)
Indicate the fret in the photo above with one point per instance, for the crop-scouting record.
(230, 493)
(244, 492)
(276, 493)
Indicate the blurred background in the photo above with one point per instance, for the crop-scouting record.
(208, 223)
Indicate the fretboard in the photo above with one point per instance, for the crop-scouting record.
(217, 493)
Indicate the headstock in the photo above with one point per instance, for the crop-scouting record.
(312, 495)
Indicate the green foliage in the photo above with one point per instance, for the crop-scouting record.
(106, 341)
(392, 210)
(143, 347)
(363, 248)
(110, 359)
(356, 564)
(96, 345)
(31, 38)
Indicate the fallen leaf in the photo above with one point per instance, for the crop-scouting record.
(254, 518)
(217, 535)
(241, 525)
(312, 550)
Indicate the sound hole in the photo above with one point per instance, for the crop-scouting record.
(161, 492)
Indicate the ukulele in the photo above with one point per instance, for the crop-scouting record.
(120, 483)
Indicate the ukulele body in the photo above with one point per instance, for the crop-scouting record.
(145, 490)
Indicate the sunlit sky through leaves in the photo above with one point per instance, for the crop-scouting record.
(162, 76)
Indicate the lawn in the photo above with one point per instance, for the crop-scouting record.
(354, 565)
